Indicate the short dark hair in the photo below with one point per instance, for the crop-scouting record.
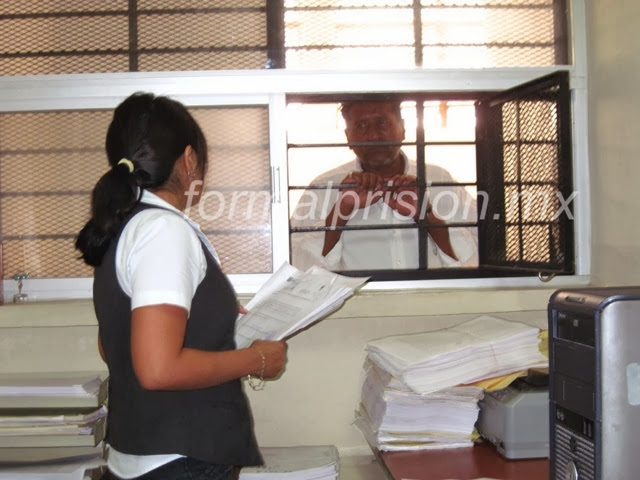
(345, 107)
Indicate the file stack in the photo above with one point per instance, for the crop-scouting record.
(418, 391)
(49, 418)
(393, 417)
(314, 462)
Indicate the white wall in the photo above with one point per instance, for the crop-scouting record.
(614, 107)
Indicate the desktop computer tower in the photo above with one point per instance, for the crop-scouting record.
(594, 384)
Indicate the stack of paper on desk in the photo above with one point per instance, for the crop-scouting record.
(54, 430)
(317, 462)
(292, 300)
(417, 392)
(392, 417)
(81, 469)
(51, 416)
(481, 348)
(77, 390)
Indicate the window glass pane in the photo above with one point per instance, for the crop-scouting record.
(459, 160)
(382, 231)
(50, 161)
(201, 30)
(57, 34)
(198, 4)
(10, 7)
(435, 34)
(447, 120)
(51, 64)
(66, 44)
(153, 62)
(93, 37)
(235, 211)
(469, 37)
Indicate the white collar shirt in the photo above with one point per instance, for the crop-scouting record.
(159, 260)
(382, 248)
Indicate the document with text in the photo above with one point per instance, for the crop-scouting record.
(292, 300)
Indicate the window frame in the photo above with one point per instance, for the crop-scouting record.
(269, 88)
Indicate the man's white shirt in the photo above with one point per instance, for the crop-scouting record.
(383, 248)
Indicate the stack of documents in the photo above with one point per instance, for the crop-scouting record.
(418, 391)
(76, 469)
(53, 430)
(317, 462)
(392, 417)
(292, 300)
(52, 417)
(481, 348)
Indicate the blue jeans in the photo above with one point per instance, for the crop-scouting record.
(189, 469)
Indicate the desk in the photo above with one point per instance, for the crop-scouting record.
(478, 461)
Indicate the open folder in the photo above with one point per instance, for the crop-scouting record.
(292, 300)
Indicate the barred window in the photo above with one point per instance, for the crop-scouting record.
(62, 36)
(491, 171)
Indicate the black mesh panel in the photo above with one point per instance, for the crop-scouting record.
(525, 178)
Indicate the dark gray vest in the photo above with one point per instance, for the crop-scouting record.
(211, 424)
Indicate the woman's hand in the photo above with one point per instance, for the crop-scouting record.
(274, 354)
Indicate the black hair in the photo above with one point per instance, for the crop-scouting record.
(152, 132)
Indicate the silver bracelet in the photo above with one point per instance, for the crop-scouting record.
(258, 385)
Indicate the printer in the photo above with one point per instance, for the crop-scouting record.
(516, 419)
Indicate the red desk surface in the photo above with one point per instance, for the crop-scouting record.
(478, 461)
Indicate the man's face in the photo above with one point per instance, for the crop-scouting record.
(375, 122)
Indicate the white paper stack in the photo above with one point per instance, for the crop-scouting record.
(77, 469)
(416, 394)
(56, 430)
(314, 462)
(50, 417)
(47, 390)
(481, 348)
(56, 385)
(392, 417)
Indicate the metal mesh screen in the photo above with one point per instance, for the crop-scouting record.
(52, 37)
(50, 161)
(432, 33)
(527, 182)
(48, 164)
(235, 211)
(55, 37)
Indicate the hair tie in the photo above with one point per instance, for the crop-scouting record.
(128, 163)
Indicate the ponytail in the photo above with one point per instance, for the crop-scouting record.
(113, 198)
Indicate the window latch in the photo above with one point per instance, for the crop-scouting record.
(20, 297)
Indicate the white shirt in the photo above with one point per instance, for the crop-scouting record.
(168, 234)
(388, 248)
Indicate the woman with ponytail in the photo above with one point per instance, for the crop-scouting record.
(166, 312)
